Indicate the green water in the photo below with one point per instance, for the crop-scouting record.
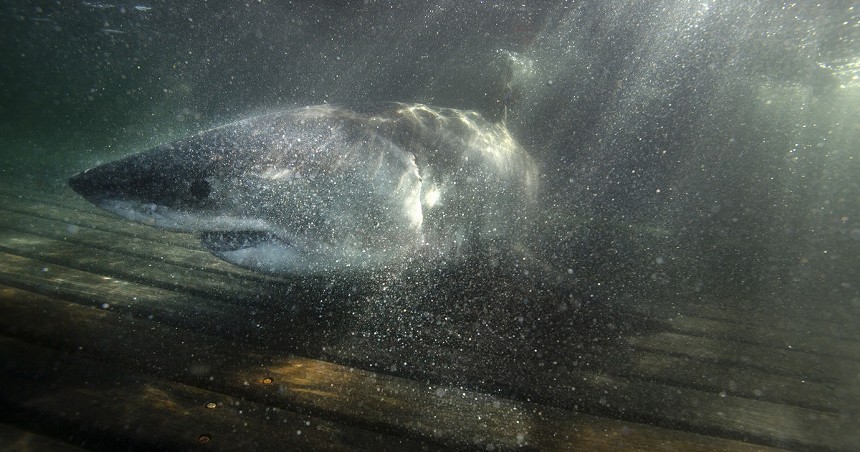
(685, 148)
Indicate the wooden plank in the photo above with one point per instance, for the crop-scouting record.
(429, 411)
(806, 366)
(126, 267)
(595, 403)
(451, 416)
(147, 242)
(717, 377)
(764, 334)
(92, 228)
(200, 260)
(802, 316)
(164, 304)
(152, 264)
(14, 439)
(105, 292)
(721, 412)
(202, 314)
(77, 212)
(790, 315)
(95, 404)
(271, 315)
(146, 248)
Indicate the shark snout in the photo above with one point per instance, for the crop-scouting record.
(89, 184)
(149, 178)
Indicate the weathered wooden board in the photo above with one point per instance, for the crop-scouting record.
(73, 210)
(450, 416)
(754, 374)
(795, 315)
(695, 409)
(123, 266)
(72, 219)
(198, 313)
(174, 262)
(597, 385)
(102, 406)
(807, 366)
(88, 228)
(191, 305)
(764, 334)
(14, 439)
(688, 372)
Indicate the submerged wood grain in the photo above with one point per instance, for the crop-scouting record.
(449, 415)
(96, 404)
(171, 316)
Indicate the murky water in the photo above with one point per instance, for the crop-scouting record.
(691, 154)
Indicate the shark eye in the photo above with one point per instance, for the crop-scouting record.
(199, 189)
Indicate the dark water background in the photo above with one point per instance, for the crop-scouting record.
(685, 147)
(732, 129)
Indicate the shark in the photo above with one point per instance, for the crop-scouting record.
(328, 188)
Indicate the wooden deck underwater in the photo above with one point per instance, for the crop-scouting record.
(119, 336)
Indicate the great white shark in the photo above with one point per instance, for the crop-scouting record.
(328, 188)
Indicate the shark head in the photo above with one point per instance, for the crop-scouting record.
(283, 193)
(166, 187)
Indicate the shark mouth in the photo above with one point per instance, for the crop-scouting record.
(256, 250)
(227, 241)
